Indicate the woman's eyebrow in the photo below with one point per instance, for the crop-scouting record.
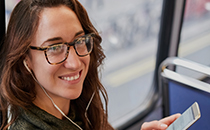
(53, 39)
(50, 40)
(78, 33)
(59, 38)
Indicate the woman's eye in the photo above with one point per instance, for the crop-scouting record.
(80, 41)
(56, 48)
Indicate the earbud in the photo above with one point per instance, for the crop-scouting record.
(25, 64)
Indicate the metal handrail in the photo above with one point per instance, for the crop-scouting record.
(185, 63)
(167, 73)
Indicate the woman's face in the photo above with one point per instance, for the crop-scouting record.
(64, 80)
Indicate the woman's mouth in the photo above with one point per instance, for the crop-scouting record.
(70, 78)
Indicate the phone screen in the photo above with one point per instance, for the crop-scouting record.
(191, 115)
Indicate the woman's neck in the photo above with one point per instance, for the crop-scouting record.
(44, 102)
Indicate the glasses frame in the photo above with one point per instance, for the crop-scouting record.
(68, 47)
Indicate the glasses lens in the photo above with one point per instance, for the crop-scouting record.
(84, 45)
(56, 53)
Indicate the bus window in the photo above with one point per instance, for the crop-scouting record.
(195, 33)
(130, 33)
(10, 4)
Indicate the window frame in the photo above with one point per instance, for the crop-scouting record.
(2, 20)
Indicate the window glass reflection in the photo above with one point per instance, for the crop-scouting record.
(195, 33)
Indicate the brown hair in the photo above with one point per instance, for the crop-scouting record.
(17, 85)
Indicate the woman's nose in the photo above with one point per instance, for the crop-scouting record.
(73, 60)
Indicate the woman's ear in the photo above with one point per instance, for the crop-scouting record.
(26, 65)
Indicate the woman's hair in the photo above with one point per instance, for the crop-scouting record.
(17, 87)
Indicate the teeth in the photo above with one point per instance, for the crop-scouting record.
(71, 78)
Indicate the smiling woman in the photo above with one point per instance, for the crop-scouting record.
(60, 81)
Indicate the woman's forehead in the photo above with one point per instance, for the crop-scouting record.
(57, 22)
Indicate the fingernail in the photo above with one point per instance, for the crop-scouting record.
(163, 126)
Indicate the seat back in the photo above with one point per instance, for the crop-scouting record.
(180, 92)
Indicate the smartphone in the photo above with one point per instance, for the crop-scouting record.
(190, 116)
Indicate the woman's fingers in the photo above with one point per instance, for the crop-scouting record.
(161, 124)
(154, 125)
(170, 119)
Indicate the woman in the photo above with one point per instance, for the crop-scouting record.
(46, 23)
(50, 73)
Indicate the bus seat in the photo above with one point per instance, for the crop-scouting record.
(180, 91)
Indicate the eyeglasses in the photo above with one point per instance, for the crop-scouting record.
(58, 52)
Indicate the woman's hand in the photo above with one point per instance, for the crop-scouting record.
(161, 124)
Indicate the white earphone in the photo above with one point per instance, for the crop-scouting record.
(25, 64)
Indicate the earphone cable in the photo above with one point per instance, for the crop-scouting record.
(54, 103)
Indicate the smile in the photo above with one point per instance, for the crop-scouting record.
(71, 78)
